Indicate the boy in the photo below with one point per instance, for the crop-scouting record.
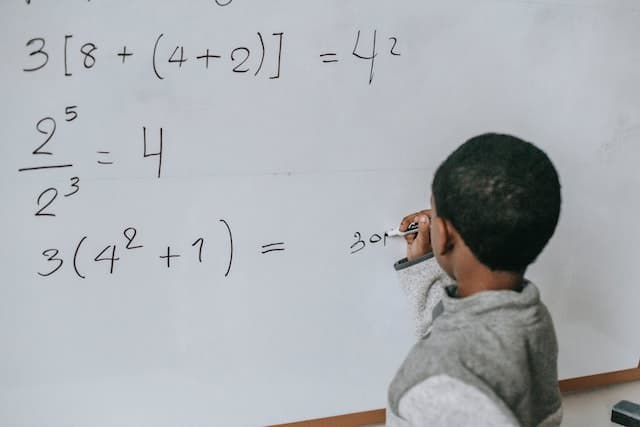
(487, 350)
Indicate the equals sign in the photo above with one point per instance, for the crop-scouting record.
(272, 247)
(328, 58)
(102, 162)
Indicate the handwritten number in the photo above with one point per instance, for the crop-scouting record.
(110, 258)
(180, 60)
(51, 255)
(49, 133)
(147, 154)
(130, 235)
(87, 50)
(375, 238)
(74, 185)
(395, 43)
(246, 53)
(358, 245)
(373, 55)
(39, 51)
(199, 242)
(71, 113)
(54, 194)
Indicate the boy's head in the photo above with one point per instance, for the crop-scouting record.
(502, 196)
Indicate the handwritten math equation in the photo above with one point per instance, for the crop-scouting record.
(264, 56)
(110, 254)
(259, 54)
(192, 251)
(45, 159)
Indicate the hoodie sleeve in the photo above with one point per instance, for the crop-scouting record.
(423, 281)
(443, 401)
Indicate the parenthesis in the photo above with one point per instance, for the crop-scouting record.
(230, 244)
(75, 258)
(263, 53)
(155, 50)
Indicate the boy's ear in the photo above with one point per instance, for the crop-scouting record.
(446, 236)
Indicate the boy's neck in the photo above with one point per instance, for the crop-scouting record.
(481, 278)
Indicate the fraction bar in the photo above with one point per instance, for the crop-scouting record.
(34, 168)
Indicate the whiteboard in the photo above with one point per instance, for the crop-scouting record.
(237, 274)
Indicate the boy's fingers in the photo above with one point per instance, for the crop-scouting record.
(423, 230)
(418, 243)
(423, 224)
(414, 217)
(423, 236)
(407, 220)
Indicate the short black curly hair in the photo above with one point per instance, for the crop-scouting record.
(502, 194)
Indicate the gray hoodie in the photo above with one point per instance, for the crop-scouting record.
(489, 359)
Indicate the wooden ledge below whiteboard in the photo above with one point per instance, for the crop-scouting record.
(378, 416)
(350, 420)
(600, 380)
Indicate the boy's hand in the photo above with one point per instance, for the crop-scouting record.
(418, 244)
